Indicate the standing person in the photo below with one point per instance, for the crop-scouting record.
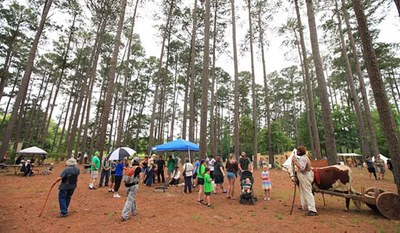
(232, 168)
(188, 174)
(219, 174)
(305, 176)
(211, 163)
(150, 174)
(160, 169)
(170, 166)
(380, 165)
(153, 161)
(112, 178)
(196, 168)
(105, 172)
(245, 164)
(371, 167)
(145, 167)
(266, 183)
(94, 170)
(200, 180)
(118, 177)
(132, 187)
(69, 179)
(208, 187)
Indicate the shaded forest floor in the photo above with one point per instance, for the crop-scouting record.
(21, 200)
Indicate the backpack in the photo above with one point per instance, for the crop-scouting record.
(128, 176)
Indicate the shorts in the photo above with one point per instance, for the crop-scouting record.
(219, 179)
(207, 193)
(112, 179)
(383, 170)
(212, 174)
(94, 174)
(144, 169)
(231, 175)
(200, 181)
(266, 184)
(371, 170)
(194, 176)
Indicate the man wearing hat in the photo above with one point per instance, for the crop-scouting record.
(69, 179)
(94, 169)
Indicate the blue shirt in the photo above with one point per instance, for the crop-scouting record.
(119, 169)
(196, 166)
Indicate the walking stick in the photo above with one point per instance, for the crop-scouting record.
(294, 192)
(47, 198)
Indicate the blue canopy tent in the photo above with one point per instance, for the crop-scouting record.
(177, 145)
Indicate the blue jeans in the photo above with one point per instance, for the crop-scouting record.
(107, 175)
(64, 198)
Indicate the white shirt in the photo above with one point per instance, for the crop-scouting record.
(189, 169)
(176, 174)
(211, 164)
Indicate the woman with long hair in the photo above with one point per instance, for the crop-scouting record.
(232, 169)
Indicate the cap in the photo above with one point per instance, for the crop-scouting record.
(136, 159)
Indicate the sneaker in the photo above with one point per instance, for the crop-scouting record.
(268, 199)
(117, 195)
(124, 219)
(62, 215)
(224, 191)
(110, 190)
(92, 188)
(312, 213)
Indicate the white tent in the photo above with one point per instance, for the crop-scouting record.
(349, 155)
(32, 150)
(384, 158)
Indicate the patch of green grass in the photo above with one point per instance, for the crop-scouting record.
(265, 207)
(253, 214)
(397, 230)
(356, 221)
(333, 225)
(382, 230)
(196, 217)
(110, 215)
(279, 216)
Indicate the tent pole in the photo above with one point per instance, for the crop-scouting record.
(190, 159)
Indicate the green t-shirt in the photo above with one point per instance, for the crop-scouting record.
(201, 171)
(96, 161)
(171, 164)
(208, 188)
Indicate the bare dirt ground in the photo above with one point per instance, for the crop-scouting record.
(21, 200)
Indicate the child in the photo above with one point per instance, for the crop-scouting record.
(174, 181)
(208, 187)
(266, 183)
(246, 186)
(112, 178)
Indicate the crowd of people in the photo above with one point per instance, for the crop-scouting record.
(206, 174)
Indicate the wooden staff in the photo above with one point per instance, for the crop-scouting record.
(294, 192)
(47, 198)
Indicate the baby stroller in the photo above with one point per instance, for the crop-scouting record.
(246, 189)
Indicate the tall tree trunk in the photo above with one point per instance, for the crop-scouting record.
(25, 80)
(266, 91)
(11, 95)
(306, 101)
(204, 84)
(111, 77)
(236, 84)
(368, 115)
(126, 78)
(253, 88)
(171, 137)
(309, 89)
(388, 124)
(63, 67)
(213, 147)
(153, 113)
(353, 92)
(192, 110)
(322, 90)
(92, 73)
(70, 99)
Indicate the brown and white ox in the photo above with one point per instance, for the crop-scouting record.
(336, 178)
